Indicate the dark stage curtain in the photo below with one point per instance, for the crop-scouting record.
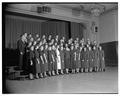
(77, 30)
(55, 28)
(15, 26)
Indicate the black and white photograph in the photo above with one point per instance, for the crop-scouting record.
(60, 48)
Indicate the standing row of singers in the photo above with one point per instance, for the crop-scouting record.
(41, 57)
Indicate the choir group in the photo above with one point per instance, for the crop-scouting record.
(49, 56)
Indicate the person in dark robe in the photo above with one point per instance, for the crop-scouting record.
(67, 59)
(82, 59)
(86, 59)
(96, 58)
(50, 59)
(91, 57)
(76, 53)
(21, 45)
(54, 62)
(31, 63)
(102, 60)
(45, 55)
(36, 37)
(37, 62)
(49, 39)
(57, 39)
(29, 36)
(72, 59)
(42, 61)
(79, 58)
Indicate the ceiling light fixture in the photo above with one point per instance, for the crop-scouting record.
(97, 9)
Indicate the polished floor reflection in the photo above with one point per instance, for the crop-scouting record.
(100, 82)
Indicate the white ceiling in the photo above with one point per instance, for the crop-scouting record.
(87, 6)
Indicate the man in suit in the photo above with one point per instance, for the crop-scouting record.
(21, 44)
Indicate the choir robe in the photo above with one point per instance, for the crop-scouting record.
(37, 62)
(91, 57)
(72, 59)
(96, 58)
(54, 62)
(31, 58)
(45, 57)
(21, 47)
(62, 59)
(101, 58)
(67, 59)
(50, 59)
(42, 61)
(77, 59)
(82, 58)
(86, 59)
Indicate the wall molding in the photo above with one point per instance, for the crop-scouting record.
(48, 15)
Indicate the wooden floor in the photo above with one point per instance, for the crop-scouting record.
(100, 82)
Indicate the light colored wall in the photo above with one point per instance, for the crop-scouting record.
(62, 14)
(108, 24)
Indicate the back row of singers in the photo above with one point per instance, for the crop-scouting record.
(43, 57)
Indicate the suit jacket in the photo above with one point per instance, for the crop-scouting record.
(21, 46)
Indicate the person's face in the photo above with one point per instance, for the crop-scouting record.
(84, 49)
(80, 48)
(37, 35)
(43, 36)
(25, 34)
(100, 48)
(55, 44)
(72, 47)
(66, 45)
(87, 45)
(34, 43)
(46, 46)
(36, 47)
(90, 48)
(53, 47)
(57, 37)
(31, 39)
(95, 43)
(82, 44)
(38, 39)
(76, 46)
(30, 36)
(32, 48)
(62, 48)
(49, 37)
(58, 47)
(42, 48)
(94, 48)
(50, 48)
(30, 43)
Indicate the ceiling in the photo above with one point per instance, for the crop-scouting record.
(87, 6)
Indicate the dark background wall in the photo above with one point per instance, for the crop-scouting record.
(111, 53)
